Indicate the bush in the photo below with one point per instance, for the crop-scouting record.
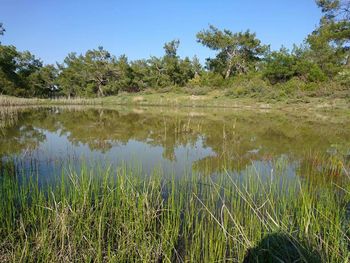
(251, 85)
(292, 86)
(280, 66)
(207, 79)
(343, 78)
(309, 71)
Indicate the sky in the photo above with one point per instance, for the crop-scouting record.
(139, 29)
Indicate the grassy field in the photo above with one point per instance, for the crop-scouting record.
(120, 215)
(215, 99)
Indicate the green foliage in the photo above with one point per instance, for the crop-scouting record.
(171, 48)
(9, 80)
(141, 74)
(207, 79)
(22, 74)
(251, 85)
(238, 53)
(282, 66)
(330, 42)
(43, 82)
(176, 71)
(97, 73)
(309, 71)
(344, 78)
(325, 58)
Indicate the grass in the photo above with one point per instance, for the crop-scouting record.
(121, 215)
(213, 99)
(6, 101)
(219, 99)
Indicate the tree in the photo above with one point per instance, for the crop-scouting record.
(72, 80)
(179, 71)
(282, 65)
(335, 9)
(172, 62)
(197, 66)
(158, 72)
(19, 72)
(9, 80)
(141, 77)
(237, 52)
(100, 66)
(171, 48)
(330, 42)
(42, 82)
(124, 77)
(94, 73)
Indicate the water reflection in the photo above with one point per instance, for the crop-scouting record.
(178, 140)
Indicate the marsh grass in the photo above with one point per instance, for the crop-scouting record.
(14, 101)
(109, 214)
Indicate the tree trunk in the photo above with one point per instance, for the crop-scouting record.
(100, 91)
(230, 55)
(228, 71)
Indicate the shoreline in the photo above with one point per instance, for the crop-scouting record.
(186, 101)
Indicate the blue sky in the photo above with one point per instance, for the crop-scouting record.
(52, 29)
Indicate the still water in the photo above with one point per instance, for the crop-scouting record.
(178, 141)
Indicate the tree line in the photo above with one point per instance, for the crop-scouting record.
(324, 56)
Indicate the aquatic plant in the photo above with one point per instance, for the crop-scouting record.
(109, 214)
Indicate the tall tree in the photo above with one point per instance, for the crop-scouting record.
(19, 72)
(100, 66)
(71, 80)
(90, 74)
(335, 9)
(237, 52)
(42, 83)
(141, 77)
(330, 42)
(9, 80)
(171, 47)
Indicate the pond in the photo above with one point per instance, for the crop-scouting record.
(170, 194)
(176, 140)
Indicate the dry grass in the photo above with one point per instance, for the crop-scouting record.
(14, 101)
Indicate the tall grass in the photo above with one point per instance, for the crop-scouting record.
(14, 101)
(120, 215)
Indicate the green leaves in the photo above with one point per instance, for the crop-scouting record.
(90, 74)
(22, 74)
(237, 52)
(330, 42)
(282, 66)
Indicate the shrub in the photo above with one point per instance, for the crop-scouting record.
(251, 85)
(309, 71)
(207, 79)
(343, 78)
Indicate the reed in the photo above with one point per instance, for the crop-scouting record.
(117, 214)
(14, 101)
